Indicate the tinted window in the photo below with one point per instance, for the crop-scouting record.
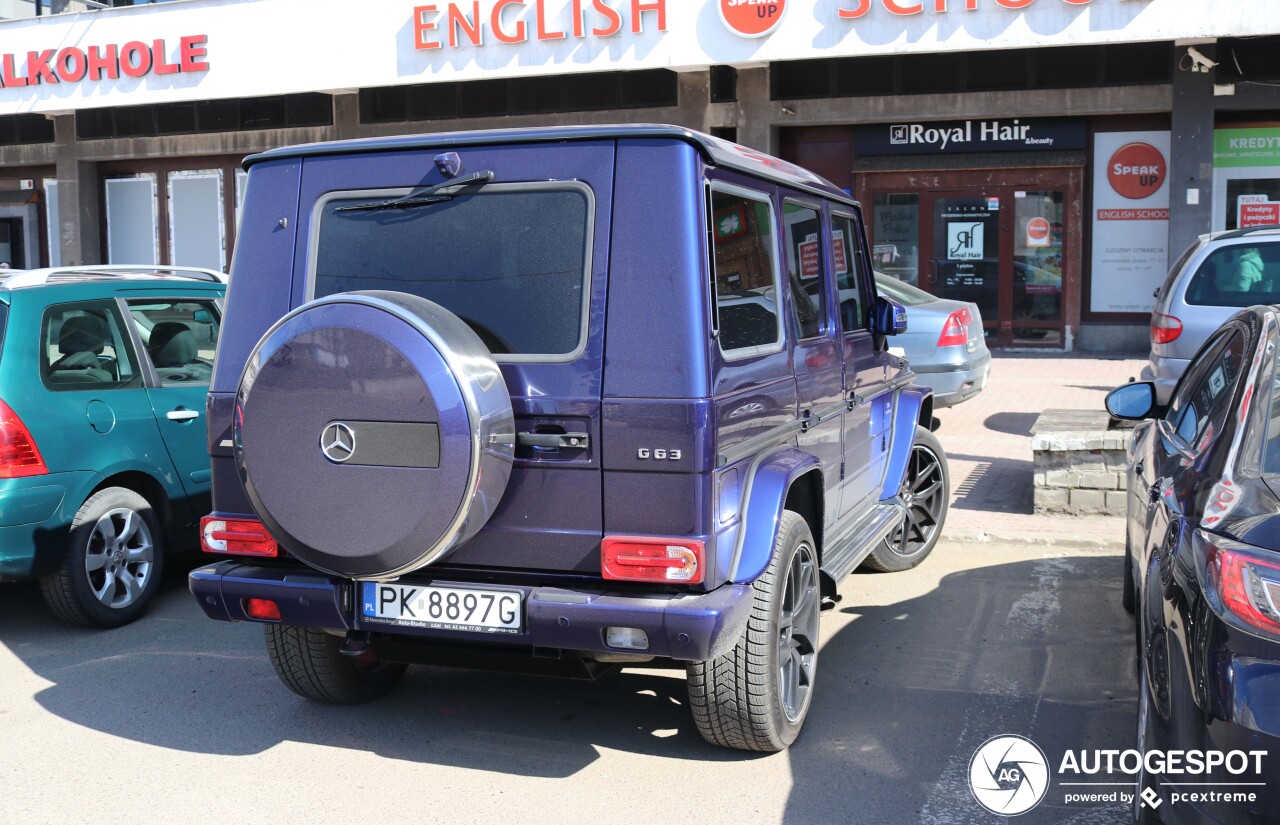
(179, 337)
(83, 347)
(745, 271)
(1239, 275)
(805, 268)
(1271, 454)
(510, 261)
(845, 254)
(1199, 405)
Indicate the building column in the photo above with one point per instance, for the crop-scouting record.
(755, 110)
(1191, 161)
(79, 199)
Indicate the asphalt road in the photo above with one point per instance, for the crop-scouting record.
(180, 719)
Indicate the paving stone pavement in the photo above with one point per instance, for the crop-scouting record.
(988, 444)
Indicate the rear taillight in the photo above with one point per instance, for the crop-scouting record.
(1165, 329)
(18, 454)
(955, 332)
(236, 537)
(647, 559)
(1245, 584)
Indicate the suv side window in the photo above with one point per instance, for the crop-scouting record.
(853, 302)
(83, 347)
(804, 265)
(179, 338)
(1201, 400)
(746, 271)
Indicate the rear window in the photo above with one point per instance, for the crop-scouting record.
(512, 260)
(1238, 275)
(902, 292)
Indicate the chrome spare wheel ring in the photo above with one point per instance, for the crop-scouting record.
(119, 556)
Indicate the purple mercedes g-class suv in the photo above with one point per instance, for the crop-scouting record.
(558, 400)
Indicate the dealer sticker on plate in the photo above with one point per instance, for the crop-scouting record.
(443, 607)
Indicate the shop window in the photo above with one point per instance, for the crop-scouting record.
(536, 95)
(484, 98)
(588, 92)
(1064, 67)
(591, 92)
(994, 71)
(795, 79)
(648, 90)
(20, 129)
(1138, 63)
(729, 133)
(1256, 58)
(197, 234)
(864, 76)
(933, 73)
(176, 118)
(895, 233)
(135, 121)
(724, 84)
(131, 220)
(236, 114)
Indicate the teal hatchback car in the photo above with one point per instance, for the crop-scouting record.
(103, 460)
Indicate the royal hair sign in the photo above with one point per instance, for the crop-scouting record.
(210, 49)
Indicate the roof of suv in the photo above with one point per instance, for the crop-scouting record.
(26, 279)
(716, 151)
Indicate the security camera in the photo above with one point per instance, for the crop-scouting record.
(1199, 63)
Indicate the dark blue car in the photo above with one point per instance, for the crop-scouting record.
(555, 401)
(1202, 574)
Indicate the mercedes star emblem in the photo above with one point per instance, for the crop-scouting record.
(338, 442)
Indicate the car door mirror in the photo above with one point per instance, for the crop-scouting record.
(891, 316)
(1133, 402)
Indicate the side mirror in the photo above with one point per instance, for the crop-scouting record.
(1132, 402)
(890, 317)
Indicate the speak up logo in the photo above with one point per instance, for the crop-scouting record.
(1009, 775)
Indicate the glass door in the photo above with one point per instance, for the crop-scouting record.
(1037, 268)
(966, 259)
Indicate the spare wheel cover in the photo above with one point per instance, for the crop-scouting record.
(373, 433)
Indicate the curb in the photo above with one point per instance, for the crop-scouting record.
(1072, 541)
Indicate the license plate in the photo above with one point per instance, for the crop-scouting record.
(443, 607)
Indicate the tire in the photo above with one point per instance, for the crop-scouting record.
(749, 699)
(1128, 594)
(1143, 815)
(308, 662)
(926, 490)
(114, 558)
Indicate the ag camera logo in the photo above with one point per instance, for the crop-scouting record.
(1009, 775)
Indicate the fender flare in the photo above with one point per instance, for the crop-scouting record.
(768, 482)
(906, 415)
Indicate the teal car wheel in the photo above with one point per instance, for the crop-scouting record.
(113, 560)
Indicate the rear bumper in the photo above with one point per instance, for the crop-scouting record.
(953, 383)
(688, 627)
(1164, 372)
(35, 514)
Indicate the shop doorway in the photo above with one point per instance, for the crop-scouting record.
(1005, 241)
(12, 246)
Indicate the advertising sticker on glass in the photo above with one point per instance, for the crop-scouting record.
(1130, 219)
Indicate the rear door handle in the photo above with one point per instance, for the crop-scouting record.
(567, 441)
(181, 415)
(1153, 494)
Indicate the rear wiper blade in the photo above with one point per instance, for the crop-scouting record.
(425, 196)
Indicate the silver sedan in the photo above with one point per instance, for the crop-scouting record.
(944, 342)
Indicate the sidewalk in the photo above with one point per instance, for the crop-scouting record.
(988, 444)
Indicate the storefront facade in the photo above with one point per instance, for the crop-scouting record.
(1045, 159)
